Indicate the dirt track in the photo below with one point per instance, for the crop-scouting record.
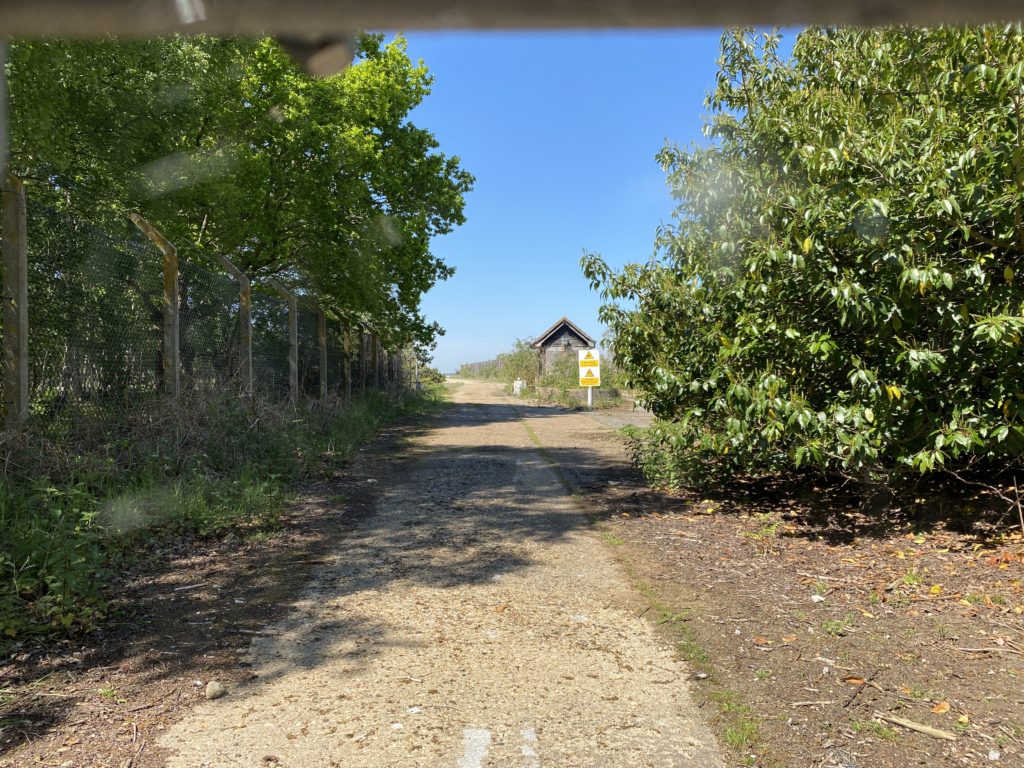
(475, 619)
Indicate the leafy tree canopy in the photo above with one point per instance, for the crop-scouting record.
(225, 144)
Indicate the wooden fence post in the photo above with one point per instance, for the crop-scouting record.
(15, 302)
(293, 339)
(321, 333)
(171, 353)
(244, 323)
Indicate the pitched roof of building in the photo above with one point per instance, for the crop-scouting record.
(566, 323)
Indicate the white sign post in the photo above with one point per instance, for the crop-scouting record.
(590, 372)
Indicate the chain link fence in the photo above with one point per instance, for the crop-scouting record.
(309, 352)
(95, 313)
(98, 325)
(270, 345)
(209, 328)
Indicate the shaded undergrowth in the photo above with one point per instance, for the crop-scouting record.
(80, 499)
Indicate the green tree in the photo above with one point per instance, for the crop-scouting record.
(840, 285)
(225, 144)
(521, 363)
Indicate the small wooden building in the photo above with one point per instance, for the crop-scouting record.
(564, 337)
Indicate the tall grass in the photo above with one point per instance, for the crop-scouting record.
(82, 498)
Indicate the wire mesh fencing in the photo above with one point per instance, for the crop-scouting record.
(270, 345)
(110, 343)
(339, 364)
(309, 351)
(95, 317)
(209, 328)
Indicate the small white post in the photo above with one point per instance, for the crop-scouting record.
(590, 397)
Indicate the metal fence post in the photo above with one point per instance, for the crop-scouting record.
(244, 323)
(321, 333)
(15, 302)
(171, 352)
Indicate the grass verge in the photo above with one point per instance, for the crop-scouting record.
(83, 504)
(738, 725)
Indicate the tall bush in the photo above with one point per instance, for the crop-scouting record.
(840, 287)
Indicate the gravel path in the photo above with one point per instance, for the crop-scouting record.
(475, 620)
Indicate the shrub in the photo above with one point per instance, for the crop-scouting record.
(840, 288)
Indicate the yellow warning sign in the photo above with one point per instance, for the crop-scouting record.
(590, 368)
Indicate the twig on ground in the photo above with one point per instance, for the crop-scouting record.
(152, 703)
(856, 691)
(991, 650)
(138, 753)
(818, 577)
(927, 730)
(189, 586)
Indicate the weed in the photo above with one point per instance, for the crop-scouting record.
(690, 650)
(612, 539)
(898, 600)
(742, 730)
(672, 621)
(920, 694)
(766, 534)
(741, 734)
(839, 627)
(763, 674)
(874, 728)
(912, 577)
(941, 628)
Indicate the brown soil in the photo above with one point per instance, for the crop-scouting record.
(823, 622)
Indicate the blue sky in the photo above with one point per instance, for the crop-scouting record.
(561, 131)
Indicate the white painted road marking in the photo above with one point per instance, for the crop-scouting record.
(529, 742)
(475, 742)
